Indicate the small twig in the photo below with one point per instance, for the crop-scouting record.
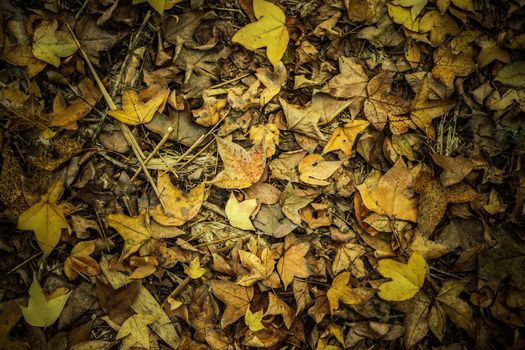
(26, 261)
(180, 287)
(154, 152)
(229, 81)
(123, 127)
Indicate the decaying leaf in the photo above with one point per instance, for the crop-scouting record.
(80, 261)
(448, 65)
(236, 298)
(407, 279)
(50, 44)
(343, 137)
(260, 268)
(340, 291)
(269, 31)
(293, 263)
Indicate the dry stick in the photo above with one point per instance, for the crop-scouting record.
(154, 152)
(123, 127)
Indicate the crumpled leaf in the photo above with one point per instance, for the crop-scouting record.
(269, 31)
(448, 65)
(253, 320)
(237, 299)
(260, 268)
(135, 332)
(241, 168)
(407, 278)
(340, 291)
(134, 111)
(179, 209)
(344, 136)
(80, 261)
(46, 219)
(268, 134)
(42, 310)
(391, 195)
(239, 213)
(50, 44)
(272, 81)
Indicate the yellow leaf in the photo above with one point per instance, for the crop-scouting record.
(293, 263)
(238, 213)
(46, 219)
(415, 6)
(340, 291)
(132, 229)
(195, 270)
(448, 65)
(49, 44)
(253, 320)
(42, 311)
(343, 137)
(402, 15)
(79, 260)
(211, 111)
(464, 4)
(315, 170)
(269, 31)
(277, 306)
(179, 209)
(236, 298)
(158, 5)
(134, 111)
(390, 195)
(241, 168)
(439, 26)
(135, 331)
(407, 279)
(268, 134)
(260, 268)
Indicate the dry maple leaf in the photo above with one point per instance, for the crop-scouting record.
(80, 261)
(273, 81)
(425, 110)
(439, 25)
(315, 170)
(448, 65)
(416, 6)
(260, 268)
(391, 195)
(402, 15)
(293, 262)
(267, 134)
(237, 299)
(269, 31)
(211, 111)
(340, 291)
(349, 256)
(407, 278)
(134, 111)
(458, 310)
(135, 332)
(292, 200)
(278, 307)
(46, 219)
(179, 209)
(241, 168)
(254, 320)
(49, 43)
(239, 213)
(343, 137)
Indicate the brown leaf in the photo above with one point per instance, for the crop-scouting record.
(448, 65)
(117, 303)
(454, 169)
(456, 308)
(293, 263)
(416, 311)
(236, 298)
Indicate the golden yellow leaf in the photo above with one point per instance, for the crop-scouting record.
(238, 213)
(267, 134)
(178, 209)
(158, 5)
(49, 44)
(424, 110)
(134, 111)
(269, 31)
(403, 16)
(293, 263)
(241, 168)
(439, 26)
(42, 310)
(315, 170)
(343, 137)
(390, 195)
(134, 231)
(211, 111)
(448, 65)
(260, 268)
(194, 270)
(236, 298)
(46, 219)
(79, 261)
(340, 291)
(407, 279)
(135, 332)
(254, 320)
(415, 6)
(278, 307)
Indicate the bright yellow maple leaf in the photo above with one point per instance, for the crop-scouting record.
(340, 291)
(403, 16)
(343, 137)
(269, 31)
(46, 219)
(134, 111)
(42, 310)
(238, 213)
(194, 270)
(49, 44)
(135, 332)
(407, 278)
(254, 320)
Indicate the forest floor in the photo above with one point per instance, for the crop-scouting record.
(191, 174)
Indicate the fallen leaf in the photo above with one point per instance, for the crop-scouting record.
(272, 81)
(239, 213)
(158, 5)
(194, 270)
(253, 320)
(340, 291)
(116, 303)
(416, 6)
(448, 65)
(278, 307)
(211, 111)
(134, 231)
(293, 262)
(241, 168)
(46, 219)
(512, 75)
(134, 111)
(272, 221)
(236, 298)
(424, 110)
(416, 312)
(315, 170)
(50, 44)
(407, 279)
(455, 169)
(134, 332)
(402, 15)
(390, 195)
(292, 200)
(260, 268)
(348, 256)
(80, 261)
(10, 314)
(42, 310)
(267, 134)
(343, 137)
(178, 209)
(458, 310)
(439, 26)
(269, 31)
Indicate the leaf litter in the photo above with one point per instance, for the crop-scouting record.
(183, 174)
